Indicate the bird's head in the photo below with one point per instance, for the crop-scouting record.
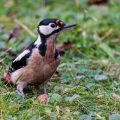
(51, 26)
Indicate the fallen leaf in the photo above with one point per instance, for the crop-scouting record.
(9, 51)
(64, 46)
(13, 34)
(97, 2)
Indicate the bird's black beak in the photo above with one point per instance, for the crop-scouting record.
(68, 25)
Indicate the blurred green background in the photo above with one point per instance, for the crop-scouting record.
(97, 33)
(88, 87)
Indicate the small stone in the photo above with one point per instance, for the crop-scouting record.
(101, 77)
(105, 61)
(43, 98)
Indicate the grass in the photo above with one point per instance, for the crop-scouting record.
(88, 84)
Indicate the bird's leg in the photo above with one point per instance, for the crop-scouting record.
(20, 86)
(45, 88)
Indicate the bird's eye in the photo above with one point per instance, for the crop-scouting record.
(53, 25)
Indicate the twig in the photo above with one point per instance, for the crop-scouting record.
(106, 34)
(9, 51)
(116, 52)
(75, 2)
(102, 38)
(25, 27)
(1, 60)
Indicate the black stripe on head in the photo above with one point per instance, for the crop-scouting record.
(47, 21)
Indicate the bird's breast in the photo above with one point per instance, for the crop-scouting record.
(42, 67)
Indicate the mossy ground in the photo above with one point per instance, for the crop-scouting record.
(88, 84)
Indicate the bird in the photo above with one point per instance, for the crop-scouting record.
(37, 63)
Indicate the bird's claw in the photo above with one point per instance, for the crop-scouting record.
(20, 93)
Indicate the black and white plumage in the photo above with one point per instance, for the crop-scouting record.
(21, 60)
(38, 62)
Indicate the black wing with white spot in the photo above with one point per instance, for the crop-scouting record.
(21, 60)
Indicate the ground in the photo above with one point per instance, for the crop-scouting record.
(88, 84)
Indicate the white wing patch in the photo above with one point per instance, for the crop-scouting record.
(38, 41)
(22, 55)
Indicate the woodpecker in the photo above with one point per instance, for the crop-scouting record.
(39, 61)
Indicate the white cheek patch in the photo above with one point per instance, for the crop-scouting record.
(46, 30)
(21, 55)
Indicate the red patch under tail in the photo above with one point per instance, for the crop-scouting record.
(7, 76)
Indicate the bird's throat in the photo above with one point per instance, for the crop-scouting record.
(46, 45)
